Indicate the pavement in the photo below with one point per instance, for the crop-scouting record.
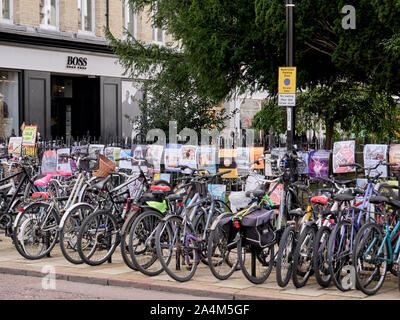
(203, 284)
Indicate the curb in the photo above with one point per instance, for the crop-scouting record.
(140, 284)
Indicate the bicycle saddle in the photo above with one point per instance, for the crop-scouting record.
(255, 193)
(100, 185)
(175, 197)
(343, 197)
(344, 182)
(378, 199)
(319, 200)
(296, 213)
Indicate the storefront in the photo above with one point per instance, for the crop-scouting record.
(62, 90)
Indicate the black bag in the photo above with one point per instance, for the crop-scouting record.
(257, 227)
(226, 226)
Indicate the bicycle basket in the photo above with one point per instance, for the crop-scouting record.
(105, 167)
(257, 227)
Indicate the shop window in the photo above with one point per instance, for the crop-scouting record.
(49, 14)
(9, 104)
(6, 10)
(130, 18)
(86, 16)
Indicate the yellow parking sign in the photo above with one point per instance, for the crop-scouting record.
(287, 80)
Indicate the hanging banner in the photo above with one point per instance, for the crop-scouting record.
(187, 157)
(14, 146)
(227, 163)
(394, 156)
(153, 157)
(318, 163)
(373, 153)
(206, 158)
(256, 153)
(49, 162)
(171, 157)
(29, 135)
(343, 153)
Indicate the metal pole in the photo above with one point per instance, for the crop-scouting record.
(289, 63)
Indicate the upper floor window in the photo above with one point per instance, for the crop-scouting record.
(130, 18)
(6, 10)
(86, 15)
(158, 33)
(49, 14)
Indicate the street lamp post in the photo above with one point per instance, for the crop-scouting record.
(289, 63)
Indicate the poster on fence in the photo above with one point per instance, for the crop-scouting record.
(63, 162)
(80, 150)
(268, 165)
(227, 163)
(206, 158)
(29, 134)
(109, 153)
(373, 153)
(218, 191)
(171, 157)
(139, 153)
(95, 149)
(362, 184)
(276, 156)
(49, 162)
(242, 159)
(14, 146)
(302, 166)
(343, 153)
(125, 164)
(187, 157)
(256, 153)
(277, 194)
(394, 156)
(153, 157)
(318, 163)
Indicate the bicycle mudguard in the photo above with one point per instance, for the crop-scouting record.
(66, 214)
(171, 215)
(127, 221)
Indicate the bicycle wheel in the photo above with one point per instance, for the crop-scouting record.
(302, 257)
(339, 255)
(370, 256)
(284, 259)
(36, 230)
(69, 230)
(141, 244)
(98, 237)
(222, 253)
(320, 261)
(124, 243)
(256, 263)
(177, 249)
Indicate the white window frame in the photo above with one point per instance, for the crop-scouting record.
(82, 30)
(11, 19)
(49, 26)
(127, 19)
(155, 32)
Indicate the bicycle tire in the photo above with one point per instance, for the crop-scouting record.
(142, 232)
(302, 258)
(171, 245)
(320, 261)
(90, 240)
(124, 243)
(285, 256)
(69, 230)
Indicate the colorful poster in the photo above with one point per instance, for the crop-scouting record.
(218, 191)
(394, 156)
(343, 153)
(302, 167)
(14, 146)
(109, 153)
(95, 149)
(362, 184)
(153, 157)
(242, 158)
(277, 194)
(187, 157)
(227, 163)
(29, 136)
(49, 162)
(125, 164)
(139, 153)
(171, 158)
(256, 153)
(206, 158)
(318, 163)
(63, 162)
(373, 153)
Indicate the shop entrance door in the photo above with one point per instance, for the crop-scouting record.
(75, 107)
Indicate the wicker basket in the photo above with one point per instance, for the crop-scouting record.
(105, 167)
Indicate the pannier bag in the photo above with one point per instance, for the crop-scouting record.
(226, 226)
(257, 227)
